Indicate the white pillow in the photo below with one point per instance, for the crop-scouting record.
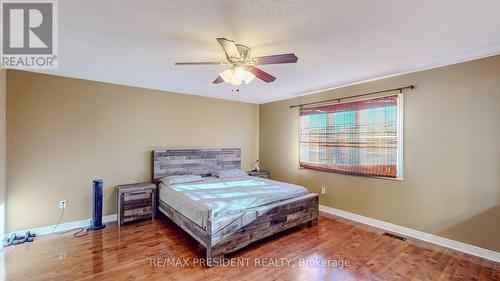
(229, 173)
(181, 179)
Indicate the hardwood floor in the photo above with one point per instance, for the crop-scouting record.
(140, 251)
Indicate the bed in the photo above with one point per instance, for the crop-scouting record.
(227, 214)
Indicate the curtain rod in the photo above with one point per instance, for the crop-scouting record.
(411, 87)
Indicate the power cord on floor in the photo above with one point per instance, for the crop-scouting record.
(80, 231)
(59, 221)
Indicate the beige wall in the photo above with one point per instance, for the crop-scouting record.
(3, 86)
(62, 133)
(451, 184)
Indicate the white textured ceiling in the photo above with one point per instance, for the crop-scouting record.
(136, 42)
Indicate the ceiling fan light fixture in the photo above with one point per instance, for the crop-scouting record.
(234, 81)
(249, 76)
(239, 73)
(227, 75)
(235, 76)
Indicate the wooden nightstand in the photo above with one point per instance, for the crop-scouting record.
(259, 174)
(136, 202)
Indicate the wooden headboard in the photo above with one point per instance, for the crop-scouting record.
(194, 161)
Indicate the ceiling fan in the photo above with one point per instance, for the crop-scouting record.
(243, 64)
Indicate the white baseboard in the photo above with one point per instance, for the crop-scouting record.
(64, 226)
(452, 244)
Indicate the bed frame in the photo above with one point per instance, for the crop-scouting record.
(284, 215)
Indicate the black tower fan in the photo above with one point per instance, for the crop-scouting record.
(96, 222)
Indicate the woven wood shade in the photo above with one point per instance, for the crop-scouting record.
(359, 137)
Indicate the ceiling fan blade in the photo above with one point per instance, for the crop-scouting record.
(201, 63)
(230, 49)
(218, 80)
(276, 59)
(261, 74)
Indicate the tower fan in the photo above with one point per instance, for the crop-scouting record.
(96, 222)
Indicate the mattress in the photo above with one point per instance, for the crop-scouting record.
(222, 201)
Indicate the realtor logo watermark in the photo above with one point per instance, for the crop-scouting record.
(29, 34)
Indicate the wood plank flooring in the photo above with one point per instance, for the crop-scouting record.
(140, 251)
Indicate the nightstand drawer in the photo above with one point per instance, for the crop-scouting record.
(134, 204)
(136, 218)
(138, 212)
(259, 174)
(137, 195)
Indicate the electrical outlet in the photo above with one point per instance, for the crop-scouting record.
(323, 189)
(63, 204)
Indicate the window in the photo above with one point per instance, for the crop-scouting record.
(359, 138)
